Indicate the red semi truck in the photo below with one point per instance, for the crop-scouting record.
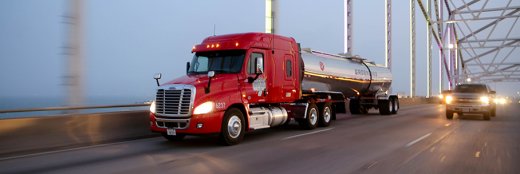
(243, 82)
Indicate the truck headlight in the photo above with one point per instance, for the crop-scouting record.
(152, 107)
(204, 108)
(484, 100)
(449, 99)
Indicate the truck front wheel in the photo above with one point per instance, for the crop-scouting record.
(233, 129)
(486, 116)
(449, 115)
(311, 119)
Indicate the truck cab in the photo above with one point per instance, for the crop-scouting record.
(227, 78)
(471, 99)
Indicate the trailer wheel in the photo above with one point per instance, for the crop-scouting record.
(385, 107)
(486, 116)
(354, 106)
(311, 119)
(175, 138)
(326, 115)
(395, 105)
(232, 131)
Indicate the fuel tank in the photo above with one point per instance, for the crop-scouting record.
(349, 75)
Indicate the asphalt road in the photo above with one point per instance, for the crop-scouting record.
(417, 140)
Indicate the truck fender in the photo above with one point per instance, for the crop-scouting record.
(244, 111)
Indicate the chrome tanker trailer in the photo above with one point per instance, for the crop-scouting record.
(364, 83)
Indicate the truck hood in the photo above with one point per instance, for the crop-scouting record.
(219, 82)
(469, 95)
(194, 80)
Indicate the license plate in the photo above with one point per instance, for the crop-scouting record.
(170, 131)
(465, 110)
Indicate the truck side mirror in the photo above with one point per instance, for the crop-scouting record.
(211, 74)
(187, 67)
(259, 65)
(157, 76)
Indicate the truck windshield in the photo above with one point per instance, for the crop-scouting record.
(471, 88)
(218, 61)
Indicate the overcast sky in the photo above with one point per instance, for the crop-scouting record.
(127, 41)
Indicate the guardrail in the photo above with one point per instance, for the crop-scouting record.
(19, 136)
(65, 108)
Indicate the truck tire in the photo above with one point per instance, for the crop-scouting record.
(233, 127)
(354, 106)
(174, 138)
(326, 115)
(449, 115)
(395, 105)
(494, 112)
(486, 116)
(311, 118)
(384, 107)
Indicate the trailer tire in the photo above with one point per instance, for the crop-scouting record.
(486, 116)
(395, 105)
(311, 118)
(233, 127)
(384, 107)
(326, 115)
(174, 138)
(354, 106)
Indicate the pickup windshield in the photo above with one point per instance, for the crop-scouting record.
(218, 61)
(471, 88)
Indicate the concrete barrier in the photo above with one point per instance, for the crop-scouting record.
(28, 135)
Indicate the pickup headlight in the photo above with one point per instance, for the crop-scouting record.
(449, 99)
(484, 100)
(152, 107)
(204, 108)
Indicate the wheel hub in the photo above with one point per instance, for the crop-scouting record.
(234, 126)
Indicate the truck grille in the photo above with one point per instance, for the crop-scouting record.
(173, 102)
(466, 100)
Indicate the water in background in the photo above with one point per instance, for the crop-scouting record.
(8, 103)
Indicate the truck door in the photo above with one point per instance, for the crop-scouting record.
(254, 92)
(289, 91)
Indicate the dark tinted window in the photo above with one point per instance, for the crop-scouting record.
(471, 88)
(218, 61)
(252, 62)
(288, 68)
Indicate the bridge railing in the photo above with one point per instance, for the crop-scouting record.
(26, 135)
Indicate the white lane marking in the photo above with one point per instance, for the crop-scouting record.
(477, 154)
(418, 139)
(68, 150)
(309, 133)
(447, 124)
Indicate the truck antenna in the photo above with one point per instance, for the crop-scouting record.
(214, 29)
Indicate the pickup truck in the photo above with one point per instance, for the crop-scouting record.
(471, 99)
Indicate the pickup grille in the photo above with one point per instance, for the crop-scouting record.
(467, 100)
(173, 102)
